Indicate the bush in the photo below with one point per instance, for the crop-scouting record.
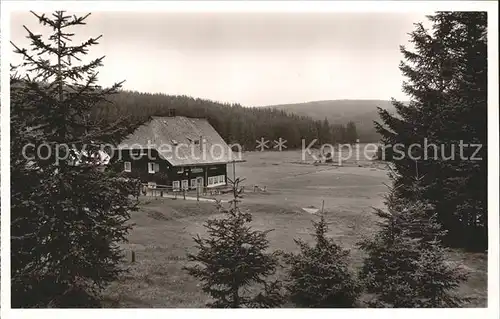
(233, 257)
(319, 275)
(406, 265)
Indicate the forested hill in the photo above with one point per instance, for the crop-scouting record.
(361, 112)
(236, 124)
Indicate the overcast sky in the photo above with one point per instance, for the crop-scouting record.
(248, 58)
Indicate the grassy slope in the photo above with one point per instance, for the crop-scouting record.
(164, 227)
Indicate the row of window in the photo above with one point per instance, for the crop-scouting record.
(212, 181)
(216, 180)
(185, 184)
(155, 167)
(152, 167)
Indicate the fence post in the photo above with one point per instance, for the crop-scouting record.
(184, 193)
(197, 193)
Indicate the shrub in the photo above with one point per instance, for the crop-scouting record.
(319, 275)
(233, 257)
(406, 265)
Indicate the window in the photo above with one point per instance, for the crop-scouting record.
(185, 184)
(176, 185)
(151, 184)
(217, 180)
(180, 170)
(193, 183)
(127, 166)
(151, 168)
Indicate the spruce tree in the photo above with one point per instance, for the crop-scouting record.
(406, 264)
(233, 258)
(319, 275)
(447, 83)
(66, 219)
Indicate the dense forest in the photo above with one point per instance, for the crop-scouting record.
(235, 123)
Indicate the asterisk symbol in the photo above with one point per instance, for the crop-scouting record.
(262, 144)
(280, 144)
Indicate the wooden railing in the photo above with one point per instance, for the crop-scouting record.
(199, 191)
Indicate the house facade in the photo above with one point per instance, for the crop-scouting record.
(176, 152)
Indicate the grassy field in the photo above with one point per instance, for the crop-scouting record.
(164, 228)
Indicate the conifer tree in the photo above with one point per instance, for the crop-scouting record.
(319, 275)
(233, 258)
(66, 219)
(406, 266)
(447, 82)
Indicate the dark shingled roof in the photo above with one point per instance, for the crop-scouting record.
(177, 140)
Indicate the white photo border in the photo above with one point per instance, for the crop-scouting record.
(258, 6)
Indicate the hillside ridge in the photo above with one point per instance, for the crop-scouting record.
(363, 112)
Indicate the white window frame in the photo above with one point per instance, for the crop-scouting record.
(185, 184)
(217, 180)
(151, 167)
(176, 185)
(193, 183)
(152, 184)
(127, 166)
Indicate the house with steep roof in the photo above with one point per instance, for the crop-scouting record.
(177, 152)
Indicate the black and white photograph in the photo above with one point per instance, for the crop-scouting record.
(215, 155)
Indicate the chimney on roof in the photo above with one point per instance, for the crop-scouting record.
(171, 112)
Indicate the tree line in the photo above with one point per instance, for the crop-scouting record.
(235, 123)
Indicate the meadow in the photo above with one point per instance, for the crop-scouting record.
(163, 227)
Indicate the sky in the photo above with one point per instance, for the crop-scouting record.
(254, 59)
